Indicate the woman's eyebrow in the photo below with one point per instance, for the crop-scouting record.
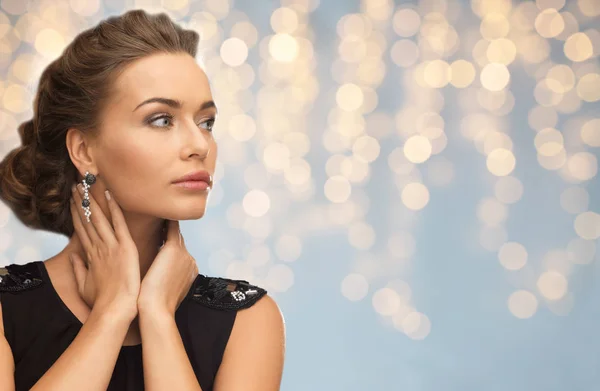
(176, 104)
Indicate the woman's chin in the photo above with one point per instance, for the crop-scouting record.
(195, 214)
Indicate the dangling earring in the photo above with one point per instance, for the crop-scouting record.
(87, 182)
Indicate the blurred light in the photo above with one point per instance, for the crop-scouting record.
(14, 7)
(404, 53)
(512, 255)
(541, 117)
(483, 7)
(283, 47)
(357, 25)
(288, 248)
(590, 132)
(583, 165)
(90, 7)
(491, 212)
(298, 172)
(545, 4)
(437, 73)
(494, 76)
(416, 325)
(49, 42)
(588, 87)
(523, 17)
(417, 149)
(494, 140)
(508, 189)
(258, 255)
(545, 94)
(590, 8)
(16, 98)
(386, 301)
(549, 23)
(522, 304)
(284, 20)
(337, 189)
(578, 47)
(587, 225)
(415, 196)
(560, 78)
(354, 287)
(553, 162)
(247, 32)
(549, 142)
(406, 22)
(276, 156)
(494, 26)
(242, 127)
(280, 278)
(462, 73)
(571, 26)
(502, 51)
(378, 10)
(361, 235)
(552, 285)
(501, 162)
(349, 97)
(367, 148)
(352, 49)
(533, 48)
(256, 203)
(219, 8)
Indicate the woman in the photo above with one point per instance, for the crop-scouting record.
(126, 109)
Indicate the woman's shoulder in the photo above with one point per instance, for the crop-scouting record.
(224, 293)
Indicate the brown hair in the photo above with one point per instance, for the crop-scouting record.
(36, 178)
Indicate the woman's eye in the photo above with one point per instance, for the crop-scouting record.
(155, 122)
(212, 123)
(162, 118)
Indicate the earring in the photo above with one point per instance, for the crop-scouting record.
(87, 182)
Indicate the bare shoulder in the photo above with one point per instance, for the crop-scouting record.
(264, 310)
(264, 319)
(258, 332)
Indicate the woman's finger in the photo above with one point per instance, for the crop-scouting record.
(80, 272)
(89, 227)
(100, 222)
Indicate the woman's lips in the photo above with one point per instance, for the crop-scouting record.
(193, 185)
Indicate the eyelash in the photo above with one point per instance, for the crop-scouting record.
(170, 117)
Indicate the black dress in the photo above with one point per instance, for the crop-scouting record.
(39, 326)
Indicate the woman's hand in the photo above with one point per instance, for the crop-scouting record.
(170, 276)
(110, 280)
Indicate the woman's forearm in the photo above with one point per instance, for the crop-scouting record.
(89, 361)
(166, 364)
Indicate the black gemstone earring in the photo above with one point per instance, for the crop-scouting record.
(87, 182)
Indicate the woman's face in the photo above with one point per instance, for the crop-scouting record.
(143, 147)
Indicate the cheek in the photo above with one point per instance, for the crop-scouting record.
(135, 172)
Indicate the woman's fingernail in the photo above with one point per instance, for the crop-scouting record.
(80, 188)
(73, 188)
(107, 194)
